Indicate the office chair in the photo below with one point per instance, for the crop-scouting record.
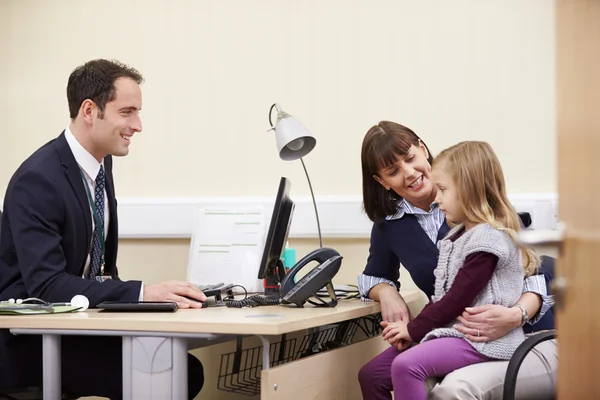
(25, 393)
(525, 218)
(512, 372)
(510, 381)
(32, 393)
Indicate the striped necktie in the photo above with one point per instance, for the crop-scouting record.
(97, 254)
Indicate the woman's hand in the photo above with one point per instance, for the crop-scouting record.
(393, 307)
(489, 322)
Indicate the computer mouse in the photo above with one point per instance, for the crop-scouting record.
(204, 304)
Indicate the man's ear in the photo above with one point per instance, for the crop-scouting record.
(88, 110)
(381, 182)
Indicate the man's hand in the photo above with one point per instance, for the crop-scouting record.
(489, 322)
(176, 291)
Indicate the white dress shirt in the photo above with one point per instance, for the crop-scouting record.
(90, 168)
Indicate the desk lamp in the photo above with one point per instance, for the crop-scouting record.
(294, 141)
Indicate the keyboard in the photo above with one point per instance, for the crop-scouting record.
(214, 289)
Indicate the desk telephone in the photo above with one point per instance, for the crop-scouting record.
(321, 276)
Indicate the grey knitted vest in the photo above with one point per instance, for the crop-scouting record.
(504, 288)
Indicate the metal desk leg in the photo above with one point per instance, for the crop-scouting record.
(52, 385)
(180, 368)
(154, 368)
(127, 368)
(266, 354)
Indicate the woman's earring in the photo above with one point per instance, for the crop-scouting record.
(392, 195)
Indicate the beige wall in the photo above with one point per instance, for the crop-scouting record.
(455, 70)
(451, 70)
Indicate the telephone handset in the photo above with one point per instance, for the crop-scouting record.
(299, 292)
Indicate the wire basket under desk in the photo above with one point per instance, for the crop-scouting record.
(239, 371)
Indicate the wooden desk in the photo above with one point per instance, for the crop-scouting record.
(157, 342)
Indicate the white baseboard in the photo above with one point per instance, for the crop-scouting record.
(340, 216)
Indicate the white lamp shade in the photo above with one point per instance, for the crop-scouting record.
(293, 139)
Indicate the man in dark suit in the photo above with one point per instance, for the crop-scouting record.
(60, 233)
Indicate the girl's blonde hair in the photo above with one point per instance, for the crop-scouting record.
(481, 190)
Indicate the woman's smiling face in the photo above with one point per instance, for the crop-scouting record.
(409, 176)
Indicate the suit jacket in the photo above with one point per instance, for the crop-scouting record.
(47, 232)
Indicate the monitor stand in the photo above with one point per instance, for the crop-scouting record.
(272, 282)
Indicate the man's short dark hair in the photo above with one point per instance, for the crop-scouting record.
(95, 80)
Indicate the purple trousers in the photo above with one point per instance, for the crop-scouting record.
(405, 372)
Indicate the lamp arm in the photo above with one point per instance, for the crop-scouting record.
(314, 203)
(270, 111)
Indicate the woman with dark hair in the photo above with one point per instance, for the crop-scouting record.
(398, 197)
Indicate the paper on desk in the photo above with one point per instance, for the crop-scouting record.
(30, 309)
(227, 245)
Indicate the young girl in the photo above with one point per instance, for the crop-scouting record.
(399, 198)
(479, 263)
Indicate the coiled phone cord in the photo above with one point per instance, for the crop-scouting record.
(253, 301)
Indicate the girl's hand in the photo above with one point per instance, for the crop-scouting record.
(395, 333)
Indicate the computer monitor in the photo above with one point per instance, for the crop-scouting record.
(271, 266)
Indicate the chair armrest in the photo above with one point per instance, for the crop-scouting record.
(510, 381)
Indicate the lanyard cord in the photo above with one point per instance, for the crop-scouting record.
(99, 223)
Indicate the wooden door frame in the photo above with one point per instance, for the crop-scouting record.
(578, 143)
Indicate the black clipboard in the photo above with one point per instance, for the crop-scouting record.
(138, 306)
